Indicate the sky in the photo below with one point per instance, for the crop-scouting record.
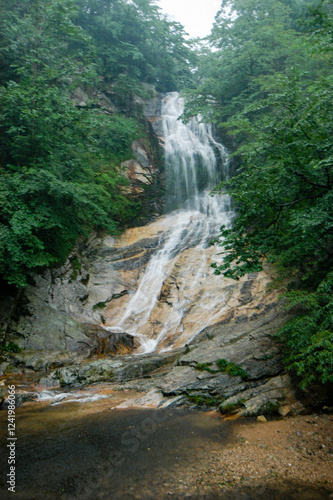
(196, 16)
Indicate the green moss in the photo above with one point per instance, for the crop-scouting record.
(272, 407)
(11, 347)
(74, 275)
(76, 266)
(231, 369)
(99, 305)
(119, 295)
(231, 407)
(75, 263)
(266, 357)
(203, 400)
(102, 305)
(223, 366)
(236, 371)
(205, 366)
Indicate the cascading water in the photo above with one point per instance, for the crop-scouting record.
(195, 163)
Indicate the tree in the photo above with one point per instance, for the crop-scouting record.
(58, 162)
(137, 43)
(251, 39)
(283, 193)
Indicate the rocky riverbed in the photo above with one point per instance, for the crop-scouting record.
(180, 377)
(83, 451)
(66, 318)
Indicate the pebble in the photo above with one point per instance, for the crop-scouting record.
(261, 418)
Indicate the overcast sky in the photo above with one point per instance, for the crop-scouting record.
(196, 16)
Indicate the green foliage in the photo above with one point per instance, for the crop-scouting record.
(58, 162)
(99, 305)
(203, 400)
(76, 266)
(226, 408)
(231, 369)
(285, 208)
(11, 347)
(205, 367)
(284, 193)
(251, 38)
(308, 337)
(135, 43)
(269, 85)
(223, 366)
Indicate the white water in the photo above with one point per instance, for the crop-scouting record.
(192, 166)
(195, 163)
(56, 398)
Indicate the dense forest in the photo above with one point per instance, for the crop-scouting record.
(268, 84)
(59, 162)
(263, 77)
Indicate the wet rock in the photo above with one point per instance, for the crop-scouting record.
(4, 367)
(153, 113)
(96, 284)
(42, 360)
(142, 155)
(93, 340)
(104, 342)
(284, 411)
(178, 381)
(120, 369)
(67, 309)
(59, 340)
(265, 399)
(138, 176)
(50, 381)
(20, 398)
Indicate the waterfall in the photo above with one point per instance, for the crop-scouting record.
(194, 164)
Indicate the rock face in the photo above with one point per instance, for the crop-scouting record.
(247, 343)
(66, 313)
(152, 289)
(97, 284)
(141, 172)
(144, 170)
(153, 114)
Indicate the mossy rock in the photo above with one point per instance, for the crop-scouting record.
(227, 408)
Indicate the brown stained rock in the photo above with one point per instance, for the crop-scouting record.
(109, 343)
(217, 317)
(138, 176)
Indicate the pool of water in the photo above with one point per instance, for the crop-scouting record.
(67, 452)
(89, 451)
